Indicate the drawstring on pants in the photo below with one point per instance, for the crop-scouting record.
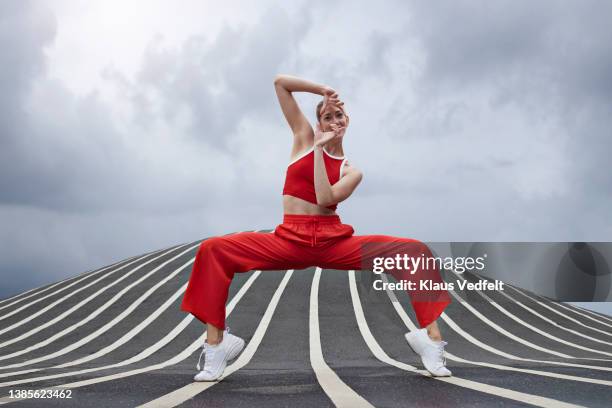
(315, 227)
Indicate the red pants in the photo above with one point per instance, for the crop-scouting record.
(301, 241)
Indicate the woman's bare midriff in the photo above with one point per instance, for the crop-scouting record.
(294, 205)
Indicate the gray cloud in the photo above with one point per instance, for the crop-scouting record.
(75, 177)
(213, 81)
(31, 28)
(553, 63)
(503, 84)
(548, 47)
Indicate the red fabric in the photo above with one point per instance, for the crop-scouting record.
(299, 180)
(301, 241)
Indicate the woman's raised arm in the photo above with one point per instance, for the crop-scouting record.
(301, 128)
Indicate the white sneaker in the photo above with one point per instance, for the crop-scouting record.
(431, 352)
(216, 356)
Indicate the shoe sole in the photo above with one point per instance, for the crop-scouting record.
(209, 379)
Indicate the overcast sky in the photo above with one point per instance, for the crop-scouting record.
(126, 127)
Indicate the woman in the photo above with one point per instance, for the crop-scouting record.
(318, 178)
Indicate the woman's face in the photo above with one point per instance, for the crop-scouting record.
(333, 115)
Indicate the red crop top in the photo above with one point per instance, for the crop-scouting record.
(299, 181)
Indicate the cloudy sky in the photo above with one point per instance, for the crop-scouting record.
(126, 127)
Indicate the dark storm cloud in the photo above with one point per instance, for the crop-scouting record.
(24, 30)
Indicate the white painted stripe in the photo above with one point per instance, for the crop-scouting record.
(536, 329)
(493, 350)
(30, 304)
(550, 321)
(14, 297)
(124, 339)
(461, 382)
(564, 315)
(397, 305)
(88, 318)
(505, 332)
(591, 312)
(37, 291)
(583, 314)
(145, 353)
(189, 391)
(530, 371)
(71, 294)
(411, 326)
(341, 394)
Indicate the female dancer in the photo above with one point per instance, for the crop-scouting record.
(318, 178)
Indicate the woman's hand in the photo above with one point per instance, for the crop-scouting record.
(330, 97)
(328, 91)
(322, 138)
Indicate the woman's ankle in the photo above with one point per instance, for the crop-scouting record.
(434, 332)
(214, 335)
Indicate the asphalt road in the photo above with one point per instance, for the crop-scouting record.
(116, 337)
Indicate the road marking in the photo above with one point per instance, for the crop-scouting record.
(589, 312)
(537, 330)
(564, 315)
(36, 291)
(341, 394)
(550, 321)
(124, 339)
(493, 350)
(461, 382)
(504, 331)
(530, 371)
(189, 391)
(583, 314)
(88, 318)
(145, 353)
(51, 322)
(402, 314)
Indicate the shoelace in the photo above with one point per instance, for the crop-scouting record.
(206, 349)
(441, 354)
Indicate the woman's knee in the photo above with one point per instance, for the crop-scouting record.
(214, 258)
(211, 245)
(416, 246)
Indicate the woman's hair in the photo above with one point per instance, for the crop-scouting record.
(319, 106)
